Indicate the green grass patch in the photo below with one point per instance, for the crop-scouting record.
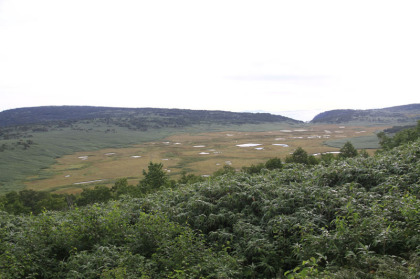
(365, 142)
(186, 161)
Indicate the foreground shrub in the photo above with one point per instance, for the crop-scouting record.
(104, 241)
(352, 215)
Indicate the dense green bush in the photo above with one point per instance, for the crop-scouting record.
(357, 216)
(114, 240)
(401, 137)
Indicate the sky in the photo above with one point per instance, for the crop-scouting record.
(294, 58)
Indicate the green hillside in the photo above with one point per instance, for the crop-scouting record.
(133, 118)
(393, 115)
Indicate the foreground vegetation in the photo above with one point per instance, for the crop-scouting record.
(350, 217)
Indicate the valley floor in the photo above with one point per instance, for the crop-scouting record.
(197, 153)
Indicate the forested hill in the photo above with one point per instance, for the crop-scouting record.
(138, 118)
(398, 114)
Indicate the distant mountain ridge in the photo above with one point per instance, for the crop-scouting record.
(397, 114)
(133, 117)
(144, 118)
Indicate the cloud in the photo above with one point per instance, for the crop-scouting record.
(230, 55)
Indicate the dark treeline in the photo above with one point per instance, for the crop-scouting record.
(401, 114)
(391, 138)
(132, 116)
(24, 122)
(22, 144)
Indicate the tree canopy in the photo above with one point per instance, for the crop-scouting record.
(348, 151)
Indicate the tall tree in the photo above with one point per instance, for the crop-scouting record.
(298, 156)
(348, 150)
(154, 177)
(273, 163)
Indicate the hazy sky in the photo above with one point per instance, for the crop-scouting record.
(272, 56)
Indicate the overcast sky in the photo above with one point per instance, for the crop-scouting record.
(273, 56)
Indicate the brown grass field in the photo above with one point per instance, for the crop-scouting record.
(200, 154)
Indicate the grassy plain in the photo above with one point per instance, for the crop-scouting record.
(17, 163)
(196, 151)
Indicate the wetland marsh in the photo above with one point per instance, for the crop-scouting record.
(198, 153)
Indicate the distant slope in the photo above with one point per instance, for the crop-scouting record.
(135, 118)
(392, 115)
